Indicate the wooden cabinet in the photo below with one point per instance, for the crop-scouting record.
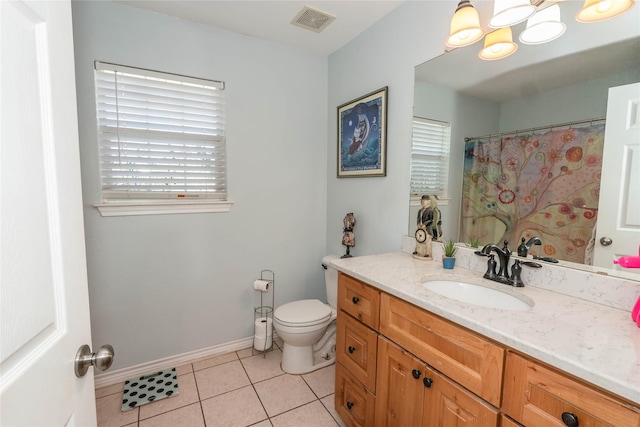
(466, 358)
(359, 300)
(399, 365)
(356, 351)
(400, 389)
(410, 393)
(535, 395)
(353, 401)
(356, 345)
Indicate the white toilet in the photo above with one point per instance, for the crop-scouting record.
(308, 328)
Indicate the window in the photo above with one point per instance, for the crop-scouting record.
(161, 139)
(429, 157)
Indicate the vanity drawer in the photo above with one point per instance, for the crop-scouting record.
(508, 422)
(359, 300)
(354, 403)
(538, 396)
(468, 359)
(356, 349)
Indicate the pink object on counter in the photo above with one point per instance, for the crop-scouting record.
(635, 313)
(628, 261)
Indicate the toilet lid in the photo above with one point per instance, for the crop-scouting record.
(303, 313)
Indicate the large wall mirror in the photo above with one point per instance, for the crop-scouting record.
(563, 82)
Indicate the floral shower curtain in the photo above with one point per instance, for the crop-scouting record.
(545, 184)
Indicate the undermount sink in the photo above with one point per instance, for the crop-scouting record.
(476, 295)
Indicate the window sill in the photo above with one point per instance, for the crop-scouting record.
(156, 207)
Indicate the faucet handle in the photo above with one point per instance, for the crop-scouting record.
(515, 279)
(491, 268)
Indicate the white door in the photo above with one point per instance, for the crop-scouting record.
(619, 208)
(43, 281)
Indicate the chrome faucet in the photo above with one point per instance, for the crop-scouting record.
(504, 255)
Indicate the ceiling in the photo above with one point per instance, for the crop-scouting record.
(271, 20)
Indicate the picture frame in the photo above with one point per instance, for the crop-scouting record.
(362, 136)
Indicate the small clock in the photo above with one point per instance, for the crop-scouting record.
(421, 235)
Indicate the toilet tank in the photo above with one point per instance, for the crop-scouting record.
(331, 280)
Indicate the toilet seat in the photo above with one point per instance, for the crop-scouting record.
(308, 312)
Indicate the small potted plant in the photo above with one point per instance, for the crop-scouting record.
(448, 258)
(474, 243)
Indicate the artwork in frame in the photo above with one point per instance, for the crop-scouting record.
(362, 136)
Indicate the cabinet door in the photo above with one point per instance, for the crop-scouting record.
(399, 387)
(359, 300)
(537, 396)
(466, 358)
(356, 347)
(447, 404)
(353, 402)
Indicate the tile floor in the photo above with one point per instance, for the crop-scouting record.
(242, 388)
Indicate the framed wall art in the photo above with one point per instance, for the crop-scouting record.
(362, 136)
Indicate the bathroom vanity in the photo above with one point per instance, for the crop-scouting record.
(407, 356)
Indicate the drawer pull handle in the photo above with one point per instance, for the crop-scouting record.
(349, 405)
(570, 420)
(355, 300)
(351, 349)
(416, 374)
(427, 382)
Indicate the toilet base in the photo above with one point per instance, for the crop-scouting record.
(301, 360)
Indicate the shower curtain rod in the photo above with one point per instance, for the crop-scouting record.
(516, 132)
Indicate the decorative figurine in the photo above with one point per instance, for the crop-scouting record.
(431, 217)
(348, 239)
(423, 238)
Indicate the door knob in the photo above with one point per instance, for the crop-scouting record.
(606, 241)
(102, 359)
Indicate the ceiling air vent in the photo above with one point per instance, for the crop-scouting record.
(312, 19)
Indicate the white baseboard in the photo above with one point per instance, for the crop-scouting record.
(121, 375)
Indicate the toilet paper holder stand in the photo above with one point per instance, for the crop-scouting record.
(264, 314)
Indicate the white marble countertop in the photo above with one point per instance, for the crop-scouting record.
(595, 342)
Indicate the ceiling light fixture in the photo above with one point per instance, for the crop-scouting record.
(465, 26)
(498, 44)
(600, 10)
(510, 12)
(544, 26)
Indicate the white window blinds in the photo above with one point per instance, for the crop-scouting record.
(160, 135)
(430, 157)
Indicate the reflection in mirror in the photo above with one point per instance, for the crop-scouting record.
(524, 91)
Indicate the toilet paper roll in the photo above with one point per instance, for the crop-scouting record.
(262, 343)
(261, 285)
(263, 337)
(264, 327)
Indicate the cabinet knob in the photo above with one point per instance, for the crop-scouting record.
(569, 419)
(349, 405)
(416, 374)
(351, 349)
(427, 382)
(355, 300)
